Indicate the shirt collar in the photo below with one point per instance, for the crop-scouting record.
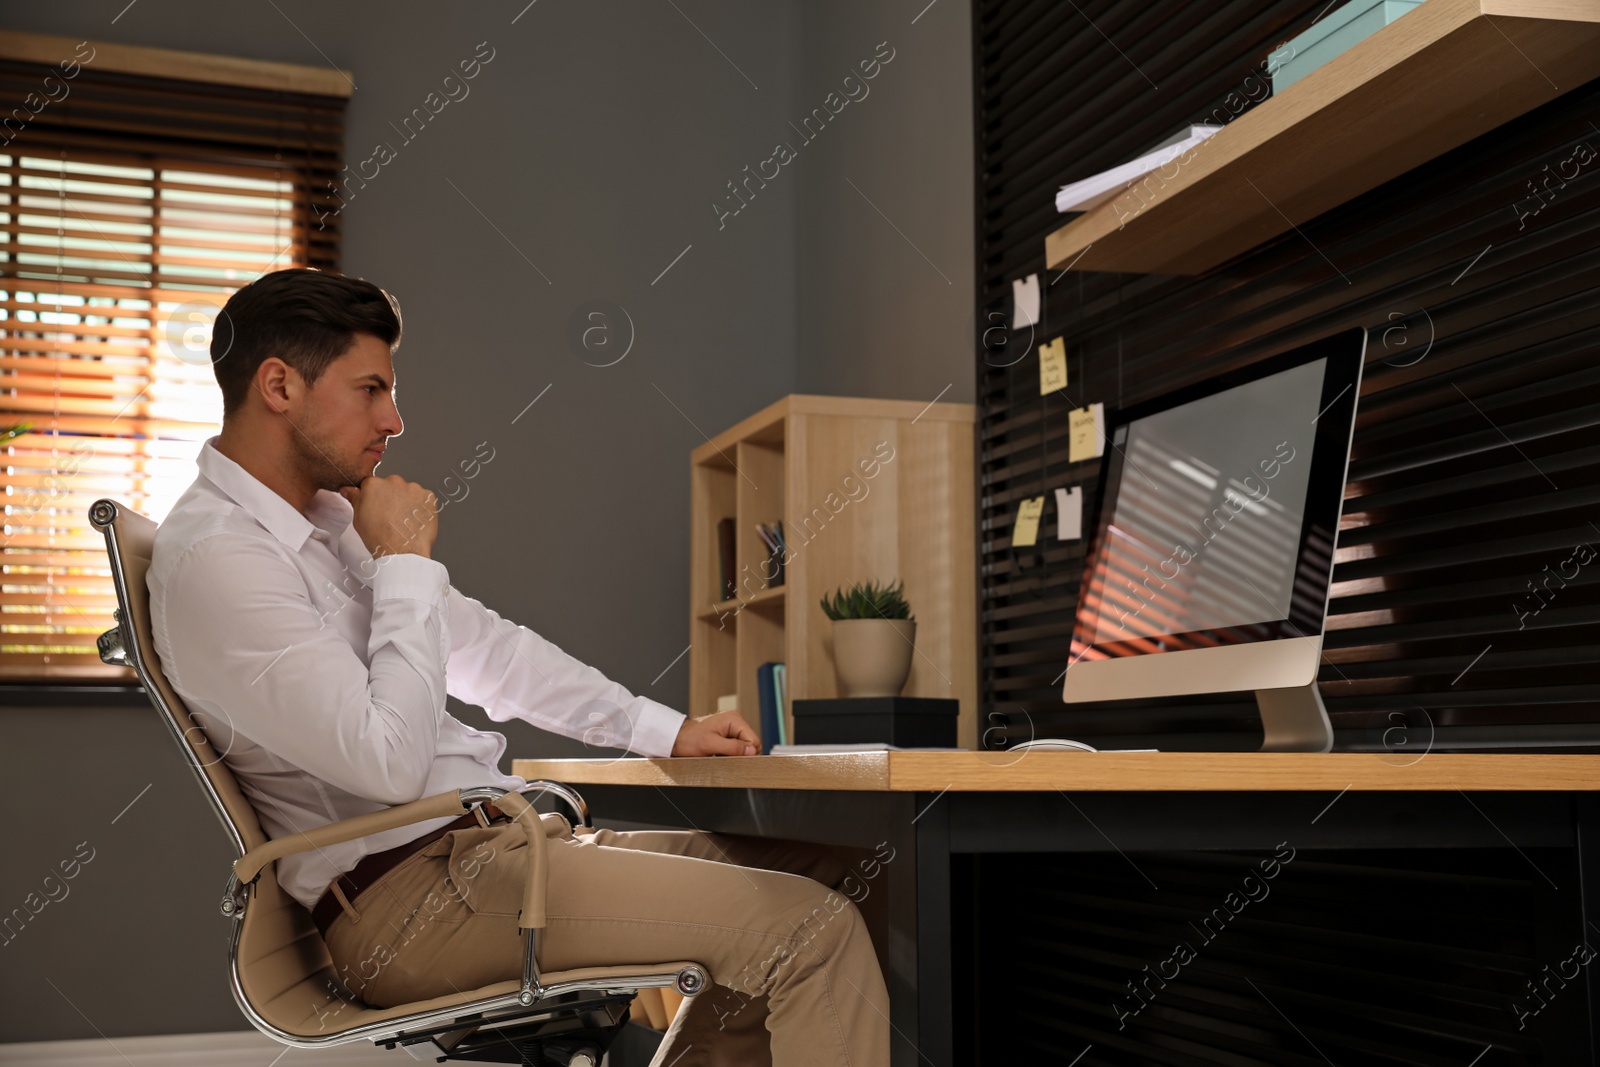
(329, 511)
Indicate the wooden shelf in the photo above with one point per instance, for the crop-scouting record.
(1428, 82)
(770, 597)
(804, 460)
(1115, 772)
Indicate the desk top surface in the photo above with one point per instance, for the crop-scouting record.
(1033, 771)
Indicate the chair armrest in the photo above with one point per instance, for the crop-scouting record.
(533, 898)
(442, 805)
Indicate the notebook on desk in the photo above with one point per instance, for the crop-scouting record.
(854, 746)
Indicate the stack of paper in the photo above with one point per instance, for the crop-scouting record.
(851, 746)
(1095, 190)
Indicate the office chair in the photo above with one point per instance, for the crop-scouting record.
(282, 976)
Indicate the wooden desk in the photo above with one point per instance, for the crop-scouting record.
(934, 808)
(1118, 772)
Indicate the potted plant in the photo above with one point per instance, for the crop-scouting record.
(874, 635)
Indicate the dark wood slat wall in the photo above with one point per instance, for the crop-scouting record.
(1364, 979)
(1473, 478)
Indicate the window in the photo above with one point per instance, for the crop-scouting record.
(131, 207)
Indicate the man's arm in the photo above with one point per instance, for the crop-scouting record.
(512, 672)
(245, 636)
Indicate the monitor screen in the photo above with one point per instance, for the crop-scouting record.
(1215, 524)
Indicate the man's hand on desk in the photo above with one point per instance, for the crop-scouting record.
(723, 734)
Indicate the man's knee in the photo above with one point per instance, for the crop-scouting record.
(830, 919)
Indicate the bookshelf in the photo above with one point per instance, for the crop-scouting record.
(1430, 81)
(800, 460)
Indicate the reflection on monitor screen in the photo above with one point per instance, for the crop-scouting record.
(1204, 531)
(1211, 557)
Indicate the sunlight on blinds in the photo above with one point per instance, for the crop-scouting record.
(112, 273)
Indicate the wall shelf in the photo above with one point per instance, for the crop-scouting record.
(1426, 83)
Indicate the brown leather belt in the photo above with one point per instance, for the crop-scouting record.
(363, 875)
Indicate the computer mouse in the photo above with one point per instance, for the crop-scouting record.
(1061, 743)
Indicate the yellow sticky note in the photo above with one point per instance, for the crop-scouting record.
(1026, 530)
(1052, 366)
(1086, 433)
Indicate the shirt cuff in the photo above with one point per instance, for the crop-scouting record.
(410, 576)
(655, 727)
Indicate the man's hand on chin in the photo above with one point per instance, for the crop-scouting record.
(393, 515)
(723, 734)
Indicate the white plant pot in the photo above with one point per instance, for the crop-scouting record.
(872, 657)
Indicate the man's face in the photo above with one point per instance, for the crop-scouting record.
(346, 418)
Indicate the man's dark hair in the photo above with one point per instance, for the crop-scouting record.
(305, 317)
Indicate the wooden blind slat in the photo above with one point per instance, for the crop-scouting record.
(302, 177)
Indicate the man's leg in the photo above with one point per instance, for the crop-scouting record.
(446, 919)
(733, 1017)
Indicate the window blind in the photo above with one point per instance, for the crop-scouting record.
(131, 207)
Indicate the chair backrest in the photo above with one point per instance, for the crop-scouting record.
(283, 979)
(282, 974)
(130, 538)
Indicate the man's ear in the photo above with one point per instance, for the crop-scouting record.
(278, 383)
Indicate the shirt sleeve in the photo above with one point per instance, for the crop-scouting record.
(245, 636)
(512, 672)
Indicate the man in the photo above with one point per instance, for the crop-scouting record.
(298, 612)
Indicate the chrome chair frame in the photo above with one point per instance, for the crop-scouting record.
(579, 1010)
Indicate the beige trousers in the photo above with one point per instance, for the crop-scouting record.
(795, 977)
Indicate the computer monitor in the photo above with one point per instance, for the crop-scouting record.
(1210, 558)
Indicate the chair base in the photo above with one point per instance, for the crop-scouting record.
(586, 1027)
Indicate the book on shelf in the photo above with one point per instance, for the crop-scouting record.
(767, 692)
(771, 534)
(780, 677)
(1096, 189)
(727, 564)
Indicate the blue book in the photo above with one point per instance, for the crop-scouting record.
(780, 675)
(768, 694)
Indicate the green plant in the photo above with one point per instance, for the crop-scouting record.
(15, 432)
(870, 601)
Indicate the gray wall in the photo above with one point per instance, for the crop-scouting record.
(134, 943)
(593, 146)
(886, 290)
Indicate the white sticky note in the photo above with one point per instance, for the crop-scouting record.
(1053, 366)
(1086, 433)
(1069, 513)
(1024, 302)
(1026, 530)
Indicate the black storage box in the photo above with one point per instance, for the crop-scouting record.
(909, 722)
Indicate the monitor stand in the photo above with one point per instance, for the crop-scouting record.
(1294, 720)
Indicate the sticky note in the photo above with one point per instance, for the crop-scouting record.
(1053, 366)
(1026, 530)
(1024, 302)
(1086, 433)
(1069, 513)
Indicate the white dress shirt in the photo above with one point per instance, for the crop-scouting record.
(320, 673)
